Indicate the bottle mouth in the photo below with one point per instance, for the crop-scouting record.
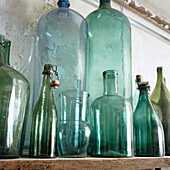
(159, 69)
(110, 73)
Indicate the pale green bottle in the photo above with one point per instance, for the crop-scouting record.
(43, 130)
(161, 97)
(14, 104)
(109, 48)
(112, 122)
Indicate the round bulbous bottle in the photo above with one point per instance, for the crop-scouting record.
(148, 129)
(109, 48)
(14, 104)
(112, 122)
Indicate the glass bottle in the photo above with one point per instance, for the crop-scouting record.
(109, 48)
(161, 97)
(136, 96)
(61, 40)
(43, 129)
(112, 122)
(148, 130)
(14, 104)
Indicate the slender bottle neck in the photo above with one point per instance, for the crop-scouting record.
(4, 54)
(46, 85)
(159, 75)
(110, 83)
(105, 4)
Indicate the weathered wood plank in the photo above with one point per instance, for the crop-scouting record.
(86, 163)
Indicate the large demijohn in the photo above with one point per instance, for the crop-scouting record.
(14, 99)
(109, 48)
(62, 41)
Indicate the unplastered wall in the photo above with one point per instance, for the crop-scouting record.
(19, 20)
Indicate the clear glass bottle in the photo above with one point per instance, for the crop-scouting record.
(136, 96)
(14, 104)
(161, 97)
(61, 40)
(43, 130)
(148, 130)
(109, 48)
(112, 122)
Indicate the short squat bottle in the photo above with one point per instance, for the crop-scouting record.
(148, 130)
(161, 98)
(136, 96)
(43, 129)
(111, 121)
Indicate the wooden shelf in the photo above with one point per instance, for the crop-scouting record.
(86, 163)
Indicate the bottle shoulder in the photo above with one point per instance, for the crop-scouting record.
(114, 100)
(57, 16)
(8, 74)
(110, 13)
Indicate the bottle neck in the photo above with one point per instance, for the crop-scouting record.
(144, 95)
(4, 54)
(160, 76)
(110, 83)
(46, 85)
(105, 4)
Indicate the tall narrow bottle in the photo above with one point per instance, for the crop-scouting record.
(43, 130)
(161, 97)
(136, 96)
(14, 104)
(148, 130)
(111, 122)
(109, 48)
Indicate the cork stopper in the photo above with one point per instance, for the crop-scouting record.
(143, 85)
(138, 76)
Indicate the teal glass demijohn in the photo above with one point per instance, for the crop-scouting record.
(14, 101)
(44, 122)
(109, 48)
(148, 130)
(112, 122)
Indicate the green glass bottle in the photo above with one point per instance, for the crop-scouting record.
(148, 130)
(161, 97)
(109, 48)
(112, 122)
(136, 96)
(43, 129)
(14, 104)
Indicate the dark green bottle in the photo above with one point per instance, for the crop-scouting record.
(161, 98)
(43, 130)
(148, 130)
(111, 122)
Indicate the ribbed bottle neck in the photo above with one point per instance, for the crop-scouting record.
(104, 4)
(110, 82)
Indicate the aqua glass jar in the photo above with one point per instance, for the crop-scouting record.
(14, 101)
(109, 48)
(112, 122)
